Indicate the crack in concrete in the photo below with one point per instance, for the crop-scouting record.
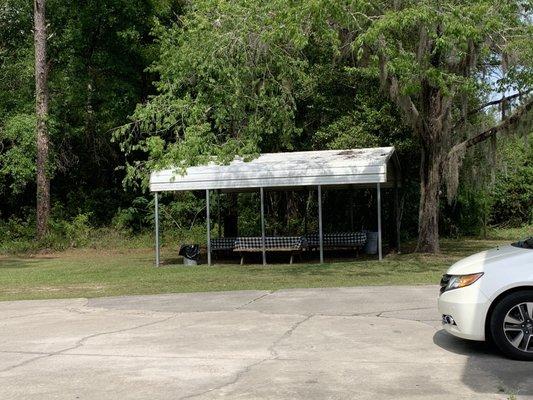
(425, 322)
(24, 315)
(286, 335)
(273, 356)
(380, 314)
(125, 355)
(78, 310)
(82, 342)
(278, 358)
(254, 300)
(377, 313)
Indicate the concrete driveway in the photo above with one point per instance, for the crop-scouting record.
(346, 343)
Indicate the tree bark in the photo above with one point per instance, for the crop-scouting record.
(428, 214)
(437, 107)
(41, 97)
(231, 219)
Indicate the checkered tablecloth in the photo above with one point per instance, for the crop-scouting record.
(338, 239)
(271, 243)
(225, 243)
(335, 239)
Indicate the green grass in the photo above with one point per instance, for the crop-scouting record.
(94, 273)
(511, 234)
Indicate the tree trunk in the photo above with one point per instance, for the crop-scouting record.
(231, 219)
(428, 215)
(41, 96)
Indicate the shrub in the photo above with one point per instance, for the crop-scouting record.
(78, 231)
(513, 189)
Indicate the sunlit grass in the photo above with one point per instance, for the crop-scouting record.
(94, 273)
(511, 234)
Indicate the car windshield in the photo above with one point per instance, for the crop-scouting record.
(525, 244)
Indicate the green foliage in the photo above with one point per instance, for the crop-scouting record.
(18, 236)
(510, 234)
(17, 132)
(456, 28)
(370, 121)
(513, 190)
(469, 214)
(231, 77)
(15, 229)
(502, 196)
(133, 219)
(98, 54)
(78, 230)
(17, 161)
(189, 82)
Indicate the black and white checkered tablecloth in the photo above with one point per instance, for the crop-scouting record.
(335, 239)
(338, 239)
(225, 243)
(271, 242)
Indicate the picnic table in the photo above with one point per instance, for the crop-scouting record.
(337, 240)
(290, 244)
(254, 244)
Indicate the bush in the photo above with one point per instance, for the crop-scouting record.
(18, 235)
(469, 214)
(78, 231)
(513, 189)
(136, 218)
(16, 228)
(504, 199)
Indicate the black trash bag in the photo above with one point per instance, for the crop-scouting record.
(190, 251)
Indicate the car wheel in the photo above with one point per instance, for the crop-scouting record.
(511, 325)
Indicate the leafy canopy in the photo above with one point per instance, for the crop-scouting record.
(232, 74)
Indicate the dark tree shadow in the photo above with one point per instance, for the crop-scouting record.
(16, 263)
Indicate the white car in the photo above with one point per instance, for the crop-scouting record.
(489, 296)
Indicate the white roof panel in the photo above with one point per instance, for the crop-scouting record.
(302, 168)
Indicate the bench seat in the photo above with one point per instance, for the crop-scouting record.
(223, 244)
(254, 244)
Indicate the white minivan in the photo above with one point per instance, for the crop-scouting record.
(489, 295)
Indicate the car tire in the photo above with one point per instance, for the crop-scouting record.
(511, 325)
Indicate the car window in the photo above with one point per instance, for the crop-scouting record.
(525, 244)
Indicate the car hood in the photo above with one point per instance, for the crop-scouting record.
(479, 261)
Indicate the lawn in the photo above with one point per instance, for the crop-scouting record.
(94, 273)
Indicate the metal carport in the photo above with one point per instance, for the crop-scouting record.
(331, 168)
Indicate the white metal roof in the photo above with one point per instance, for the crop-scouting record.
(302, 168)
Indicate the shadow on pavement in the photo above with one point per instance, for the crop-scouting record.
(485, 364)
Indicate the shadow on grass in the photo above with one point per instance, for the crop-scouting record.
(468, 246)
(17, 263)
(352, 270)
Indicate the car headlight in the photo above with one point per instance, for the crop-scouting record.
(459, 281)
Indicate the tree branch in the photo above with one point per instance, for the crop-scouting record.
(488, 104)
(507, 123)
(390, 85)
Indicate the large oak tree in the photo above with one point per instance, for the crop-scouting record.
(438, 61)
(243, 77)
